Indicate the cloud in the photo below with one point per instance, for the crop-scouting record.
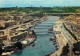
(1, 2)
(11, 3)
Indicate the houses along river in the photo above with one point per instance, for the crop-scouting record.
(43, 45)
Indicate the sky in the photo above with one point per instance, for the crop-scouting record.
(37, 3)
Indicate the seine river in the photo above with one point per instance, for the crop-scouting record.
(43, 45)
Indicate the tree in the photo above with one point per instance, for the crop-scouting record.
(18, 45)
(65, 50)
(76, 48)
(1, 50)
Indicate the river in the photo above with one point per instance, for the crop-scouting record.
(43, 45)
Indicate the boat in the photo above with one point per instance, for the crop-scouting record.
(49, 54)
(54, 40)
(51, 39)
(50, 30)
(56, 46)
(33, 44)
(54, 43)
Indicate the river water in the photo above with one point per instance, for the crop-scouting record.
(43, 45)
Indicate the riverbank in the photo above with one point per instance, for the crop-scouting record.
(28, 40)
(62, 41)
(18, 46)
(42, 42)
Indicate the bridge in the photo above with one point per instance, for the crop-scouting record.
(56, 32)
(40, 28)
(43, 31)
(45, 25)
(61, 14)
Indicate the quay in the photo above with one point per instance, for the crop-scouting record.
(62, 41)
(63, 38)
